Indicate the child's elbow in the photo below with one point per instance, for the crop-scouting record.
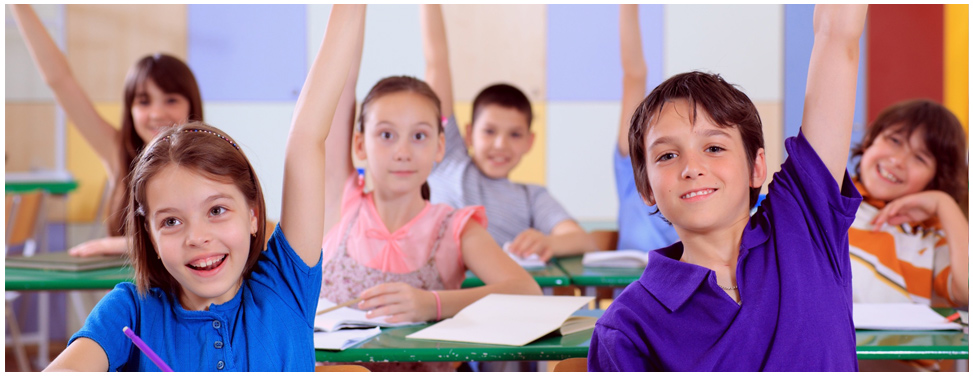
(531, 287)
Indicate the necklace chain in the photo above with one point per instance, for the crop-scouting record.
(728, 287)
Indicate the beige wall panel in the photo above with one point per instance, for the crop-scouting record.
(87, 168)
(497, 43)
(29, 136)
(772, 117)
(103, 41)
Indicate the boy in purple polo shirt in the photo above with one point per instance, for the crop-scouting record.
(740, 293)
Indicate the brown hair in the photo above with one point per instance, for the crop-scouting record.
(198, 147)
(726, 105)
(944, 138)
(503, 95)
(172, 76)
(395, 84)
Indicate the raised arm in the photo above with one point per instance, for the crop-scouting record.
(436, 52)
(338, 146)
(634, 70)
(302, 211)
(53, 66)
(829, 103)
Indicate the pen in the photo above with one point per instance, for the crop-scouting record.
(340, 305)
(145, 349)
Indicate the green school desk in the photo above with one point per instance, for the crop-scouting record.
(550, 276)
(392, 346)
(582, 276)
(51, 182)
(19, 279)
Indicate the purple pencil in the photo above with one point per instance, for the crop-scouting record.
(145, 349)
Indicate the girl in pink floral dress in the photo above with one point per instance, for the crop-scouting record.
(405, 257)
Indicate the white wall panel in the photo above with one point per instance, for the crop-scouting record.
(23, 80)
(581, 140)
(742, 43)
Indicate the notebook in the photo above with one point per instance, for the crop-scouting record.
(64, 261)
(508, 319)
(899, 317)
(627, 258)
(343, 339)
(347, 317)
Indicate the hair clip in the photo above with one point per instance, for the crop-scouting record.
(445, 121)
(140, 211)
(361, 176)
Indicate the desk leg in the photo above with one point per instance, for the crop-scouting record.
(962, 365)
(44, 329)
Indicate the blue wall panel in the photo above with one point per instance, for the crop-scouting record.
(248, 52)
(583, 61)
(798, 41)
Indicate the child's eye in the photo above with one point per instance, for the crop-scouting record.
(715, 149)
(921, 160)
(894, 139)
(419, 136)
(385, 135)
(665, 156)
(489, 132)
(172, 100)
(170, 222)
(217, 210)
(516, 135)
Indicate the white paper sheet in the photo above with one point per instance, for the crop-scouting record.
(899, 317)
(505, 319)
(627, 258)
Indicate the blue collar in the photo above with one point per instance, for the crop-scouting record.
(672, 282)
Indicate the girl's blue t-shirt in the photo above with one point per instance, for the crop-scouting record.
(267, 326)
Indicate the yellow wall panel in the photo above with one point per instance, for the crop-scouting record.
(29, 136)
(772, 118)
(957, 60)
(87, 168)
(533, 166)
(103, 41)
(497, 43)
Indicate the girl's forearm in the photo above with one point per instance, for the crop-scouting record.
(958, 239)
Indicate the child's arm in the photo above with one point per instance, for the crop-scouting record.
(634, 70)
(338, 166)
(481, 255)
(920, 206)
(115, 245)
(53, 66)
(829, 103)
(567, 238)
(83, 354)
(302, 211)
(436, 52)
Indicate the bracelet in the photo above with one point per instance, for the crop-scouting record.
(439, 306)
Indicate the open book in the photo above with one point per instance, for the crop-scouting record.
(343, 339)
(899, 317)
(510, 320)
(64, 261)
(347, 317)
(627, 258)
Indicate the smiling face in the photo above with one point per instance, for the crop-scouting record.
(201, 230)
(400, 143)
(500, 138)
(897, 164)
(698, 172)
(154, 110)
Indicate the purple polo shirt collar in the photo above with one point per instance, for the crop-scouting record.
(672, 282)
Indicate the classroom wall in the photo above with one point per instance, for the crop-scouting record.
(251, 61)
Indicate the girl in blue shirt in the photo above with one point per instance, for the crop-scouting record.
(205, 297)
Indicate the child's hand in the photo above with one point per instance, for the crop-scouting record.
(915, 207)
(399, 301)
(532, 242)
(99, 247)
